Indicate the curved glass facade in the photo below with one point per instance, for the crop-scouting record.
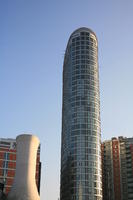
(81, 134)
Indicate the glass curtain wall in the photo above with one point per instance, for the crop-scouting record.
(81, 134)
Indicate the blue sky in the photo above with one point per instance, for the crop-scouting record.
(33, 38)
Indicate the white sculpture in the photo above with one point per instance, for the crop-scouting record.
(24, 186)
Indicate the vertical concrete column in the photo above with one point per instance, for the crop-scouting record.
(24, 186)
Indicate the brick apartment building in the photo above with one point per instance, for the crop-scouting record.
(117, 169)
(8, 164)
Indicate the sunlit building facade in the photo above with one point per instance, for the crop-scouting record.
(81, 175)
(8, 164)
(117, 167)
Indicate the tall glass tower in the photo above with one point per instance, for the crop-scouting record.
(81, 134)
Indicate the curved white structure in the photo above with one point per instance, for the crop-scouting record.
(24, 186)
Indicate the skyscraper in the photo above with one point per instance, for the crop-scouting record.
(81, 134)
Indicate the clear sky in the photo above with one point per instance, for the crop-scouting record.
(33, 38)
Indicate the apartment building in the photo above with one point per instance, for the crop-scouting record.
(117, 169)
